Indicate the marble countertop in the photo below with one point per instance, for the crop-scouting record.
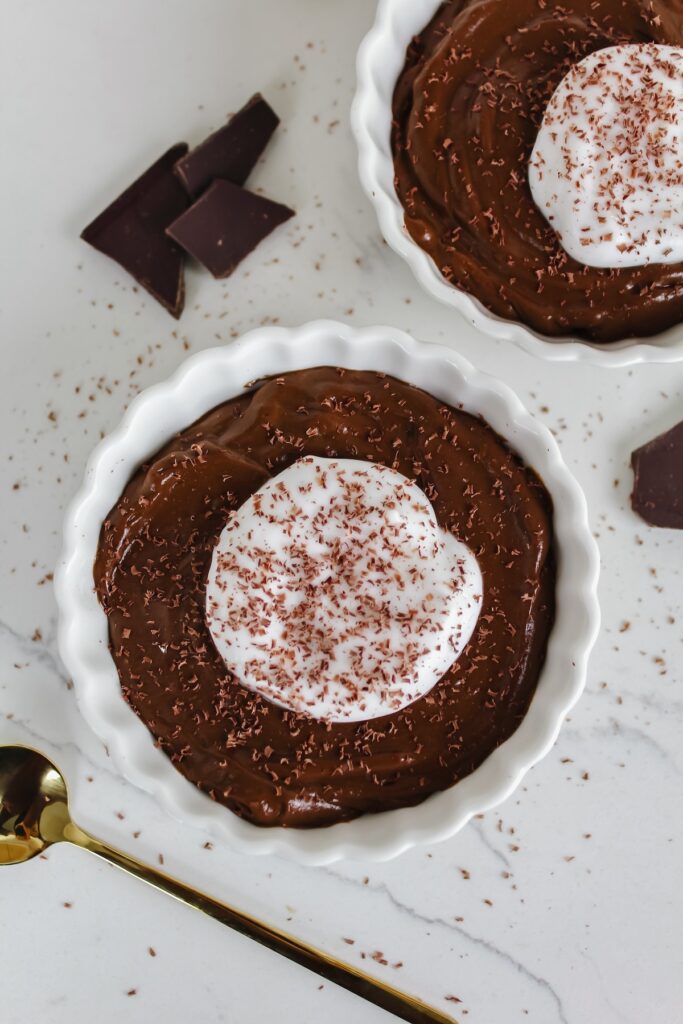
(563, 905)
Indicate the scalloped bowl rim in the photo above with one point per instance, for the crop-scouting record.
(379, 61)
(216, 375)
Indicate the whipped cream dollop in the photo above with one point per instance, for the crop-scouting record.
(334, 592)
(607, 167)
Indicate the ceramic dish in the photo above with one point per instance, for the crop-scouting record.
(380, 60)
(218, 374)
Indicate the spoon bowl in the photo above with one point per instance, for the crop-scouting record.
(34, 809)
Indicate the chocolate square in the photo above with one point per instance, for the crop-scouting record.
(232, 151)
(225, 224)
(132, 231)
(658, 480)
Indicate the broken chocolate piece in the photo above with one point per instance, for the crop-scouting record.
(232, 151)
(225, 224)
(132, 231)
(658, 480)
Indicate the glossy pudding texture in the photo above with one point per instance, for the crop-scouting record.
(467, 108)
(278, 767)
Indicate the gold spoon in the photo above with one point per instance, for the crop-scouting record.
(34, 814)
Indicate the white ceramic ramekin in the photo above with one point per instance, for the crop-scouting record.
(217, 375)
(379, 63)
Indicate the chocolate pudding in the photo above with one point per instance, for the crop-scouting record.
(269, 764)
(467, 109)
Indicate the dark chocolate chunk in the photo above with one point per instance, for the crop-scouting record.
(232, 151)
(132, 231)
(225, 224)
(658, 480)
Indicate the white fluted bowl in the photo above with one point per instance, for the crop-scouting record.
(380, 60)
(216, 375)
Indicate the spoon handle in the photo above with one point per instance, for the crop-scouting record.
(402, 1005)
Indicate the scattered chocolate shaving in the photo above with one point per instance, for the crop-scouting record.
(225, 224)
(232, 151)
(658, 480)
(132, 231)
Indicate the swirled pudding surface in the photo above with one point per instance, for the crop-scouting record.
(271, 765)
(467, 109)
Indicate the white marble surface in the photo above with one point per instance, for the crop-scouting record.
(563, 905)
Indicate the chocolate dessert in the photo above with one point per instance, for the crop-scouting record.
(467, 110)
(269, 764)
